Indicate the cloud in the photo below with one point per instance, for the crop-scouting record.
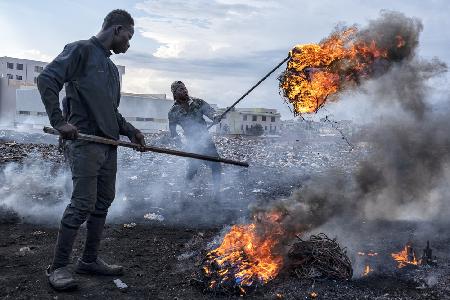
(199, 29)
(35, 54)
(224, 46)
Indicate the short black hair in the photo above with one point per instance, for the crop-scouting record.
(118, 17)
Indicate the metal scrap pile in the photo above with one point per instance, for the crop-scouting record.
(319, 257)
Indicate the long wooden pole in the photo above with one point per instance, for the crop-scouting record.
(102, 140)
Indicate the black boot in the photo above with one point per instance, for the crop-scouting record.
(98, 267)
(59, 276)
(90, 263)
(61, 279)
(64, 245)
(94, 226)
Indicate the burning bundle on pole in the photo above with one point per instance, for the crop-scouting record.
(317, 73)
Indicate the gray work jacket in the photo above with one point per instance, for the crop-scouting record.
(191, 120)
(92, 90)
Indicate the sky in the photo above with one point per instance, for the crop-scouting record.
(219, 48)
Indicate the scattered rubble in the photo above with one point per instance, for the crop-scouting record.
(153, 216)
(169, 276)
(16, 152)
(38, 232)
(129, 225)
(25, 250)
(120, 284)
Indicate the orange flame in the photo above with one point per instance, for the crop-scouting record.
(406, 257)
(246, 256)
(317, 71)
(367, 270)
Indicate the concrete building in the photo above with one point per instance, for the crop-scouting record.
(26, 71)
(147, 112)
(242, 120)
(22, 70)
(21, 105)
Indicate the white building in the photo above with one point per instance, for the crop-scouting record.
(27, 71)
(23, 70)
(241, 120)
(147, 112)
(21, 104)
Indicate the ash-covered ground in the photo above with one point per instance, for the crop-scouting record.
(160, 225)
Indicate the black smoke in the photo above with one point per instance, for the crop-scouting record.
(405, 173)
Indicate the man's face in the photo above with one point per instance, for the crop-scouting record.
(181, 93)
(122, 37)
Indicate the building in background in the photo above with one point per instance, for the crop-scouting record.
(21, 105)
(242, 120)
(24, 71)
(147, 112)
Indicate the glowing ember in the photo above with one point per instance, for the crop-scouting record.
(313, 295)
(246, 257)
(406, 257)
(367, 270)
(317, 71)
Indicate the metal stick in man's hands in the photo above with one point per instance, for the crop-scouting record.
(248, 92)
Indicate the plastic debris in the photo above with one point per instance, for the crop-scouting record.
(120, 284)
(129, 225)
(154, 217)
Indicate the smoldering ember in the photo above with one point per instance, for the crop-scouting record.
(327, 209)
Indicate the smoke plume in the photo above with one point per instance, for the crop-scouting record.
(405, 174)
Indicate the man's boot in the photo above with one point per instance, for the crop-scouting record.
(90, 263)
(59, 276)
(98, 267)
(61, 279)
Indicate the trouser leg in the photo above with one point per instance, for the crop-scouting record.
(94, 226)
(106, 182)
(216, 168)
(81, 205)
(64, 245)
(192, 169)
(84, 164)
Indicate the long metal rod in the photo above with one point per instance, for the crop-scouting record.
(250, 90)
(102, 140)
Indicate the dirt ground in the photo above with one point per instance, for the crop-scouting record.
(160, 265)
(163, 257)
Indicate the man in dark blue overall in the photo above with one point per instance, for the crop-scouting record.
(93, 94)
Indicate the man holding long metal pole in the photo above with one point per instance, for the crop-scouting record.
(93, 94)
(188, 113)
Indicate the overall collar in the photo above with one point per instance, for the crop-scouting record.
(97, 43)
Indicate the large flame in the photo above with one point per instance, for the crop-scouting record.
(316, 72)
(246, 257)
(406, 257)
